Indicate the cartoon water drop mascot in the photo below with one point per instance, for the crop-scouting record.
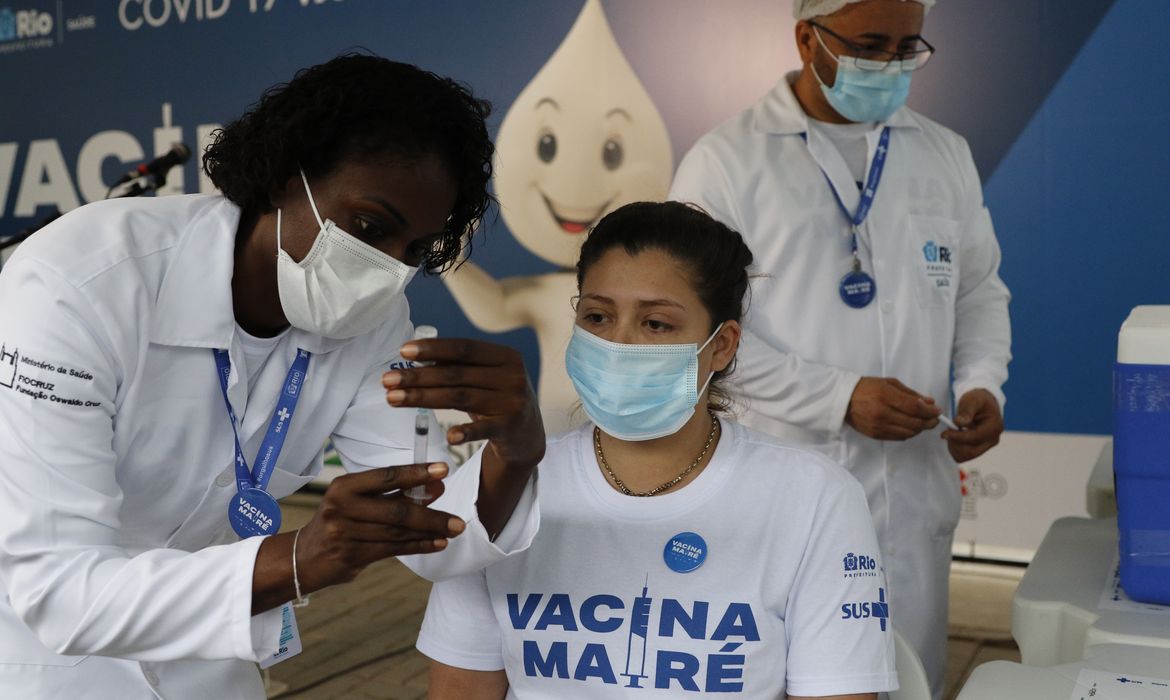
(581, 139)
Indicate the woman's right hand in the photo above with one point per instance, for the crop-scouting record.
(363, 518)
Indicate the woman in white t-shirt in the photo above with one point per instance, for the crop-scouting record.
(679, 553)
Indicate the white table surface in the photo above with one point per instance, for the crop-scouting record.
(1055, 613)
(1005, 680)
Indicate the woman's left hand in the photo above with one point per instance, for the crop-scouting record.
(485, 380)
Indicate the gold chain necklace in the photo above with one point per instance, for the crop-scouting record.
(657, 489)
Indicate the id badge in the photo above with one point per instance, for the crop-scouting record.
(290, 638)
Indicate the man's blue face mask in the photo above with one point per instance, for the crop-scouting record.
(635, 392)
(865, 95)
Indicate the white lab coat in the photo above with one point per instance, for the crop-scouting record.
(804, 349)
(119, 574)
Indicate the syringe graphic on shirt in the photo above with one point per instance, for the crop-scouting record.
(639, 627)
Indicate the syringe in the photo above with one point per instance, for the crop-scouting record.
(947, 422)
(639, 627)
(422, 422)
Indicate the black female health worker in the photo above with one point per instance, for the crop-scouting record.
(678, 552)
(179, 359)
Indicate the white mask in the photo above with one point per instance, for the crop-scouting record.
(343, 288)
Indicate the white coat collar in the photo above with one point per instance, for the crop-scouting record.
(779, 112)
(194, 307)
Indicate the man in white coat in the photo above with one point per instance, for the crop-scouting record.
(878, 301)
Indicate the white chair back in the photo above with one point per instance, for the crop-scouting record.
(912, 681)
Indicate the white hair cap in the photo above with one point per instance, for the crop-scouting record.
(807, 9)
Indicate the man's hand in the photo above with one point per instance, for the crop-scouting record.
(884, 408)
(981, 424)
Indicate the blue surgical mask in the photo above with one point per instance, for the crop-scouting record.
(635, 392)
(862, 95)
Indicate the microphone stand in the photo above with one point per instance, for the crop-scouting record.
(25, 233)
(142, 186)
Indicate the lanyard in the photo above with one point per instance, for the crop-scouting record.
(867, 194)
(281, 418)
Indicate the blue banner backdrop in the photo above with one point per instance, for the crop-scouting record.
(1066, 106)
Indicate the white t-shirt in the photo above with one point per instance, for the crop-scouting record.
(788, 594)
(257, 350)
(850, 141)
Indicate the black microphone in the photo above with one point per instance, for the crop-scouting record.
(158, 167)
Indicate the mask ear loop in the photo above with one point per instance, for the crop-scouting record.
(312, 204)
(821, 41)
(710, 375)
(710, 337)
(836, 60)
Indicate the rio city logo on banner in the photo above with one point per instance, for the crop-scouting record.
(975, 486)
(25, 28)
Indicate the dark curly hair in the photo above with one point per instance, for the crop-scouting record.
(714, 254)
(358, 106)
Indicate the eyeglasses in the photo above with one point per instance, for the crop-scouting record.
(869, 59)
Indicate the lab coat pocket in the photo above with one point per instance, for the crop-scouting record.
(208, 520)
(934, 243)
(945, 497)
(208, 523)
(285, 483)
